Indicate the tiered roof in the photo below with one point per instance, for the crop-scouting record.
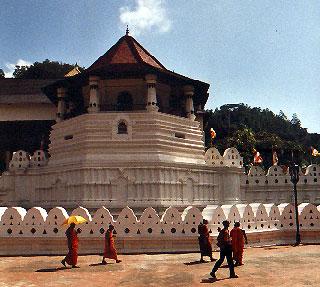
(128, 59)
(126, 51)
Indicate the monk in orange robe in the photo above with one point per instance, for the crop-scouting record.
(238, 239)
(204, 240)
(110, 250)
(73, 243)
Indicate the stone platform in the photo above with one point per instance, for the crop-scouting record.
(284, 266)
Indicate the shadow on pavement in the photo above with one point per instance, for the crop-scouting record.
(99, 264)
(274, 247)
(196, 262)
(52, 269)
(208, 280)
(211, 280)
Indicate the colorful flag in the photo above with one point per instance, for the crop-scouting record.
(257, 158)
(314, 152)
(212, 133)
(275, 159)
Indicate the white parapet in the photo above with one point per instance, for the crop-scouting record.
(175, 231)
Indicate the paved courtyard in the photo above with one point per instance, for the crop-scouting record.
(266, 266)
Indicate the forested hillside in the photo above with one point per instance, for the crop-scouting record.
(246, 128)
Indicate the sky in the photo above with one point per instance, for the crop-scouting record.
(264, 53)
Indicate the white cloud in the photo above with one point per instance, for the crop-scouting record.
(144, 16)
(11, 67)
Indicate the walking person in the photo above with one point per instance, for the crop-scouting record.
(73, 244)
(110, 250)
(224, 243)
(204, 240)
(238, 237)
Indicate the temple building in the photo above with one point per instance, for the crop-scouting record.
(124, 132)
(128, 131)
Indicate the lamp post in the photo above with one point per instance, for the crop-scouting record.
(294, 174)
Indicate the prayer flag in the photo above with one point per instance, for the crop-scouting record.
(212, 133)
(314, 152)
(275, 159)
(257, 158)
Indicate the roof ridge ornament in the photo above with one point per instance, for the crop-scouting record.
(127, 31)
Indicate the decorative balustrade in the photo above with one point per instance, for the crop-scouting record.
(37, 222)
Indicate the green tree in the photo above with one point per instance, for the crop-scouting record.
(2, 75)
(244, 140)
(45, 70)
(271, 132)
(282, 115)
(295, 120)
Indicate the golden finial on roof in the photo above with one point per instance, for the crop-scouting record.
(127, 31)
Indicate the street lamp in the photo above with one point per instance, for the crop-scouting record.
(294, 174)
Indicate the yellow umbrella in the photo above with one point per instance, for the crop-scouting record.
(76, 219)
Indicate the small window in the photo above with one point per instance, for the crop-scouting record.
(68, 137)
(180, 135)
(122, 128)
(124, 102)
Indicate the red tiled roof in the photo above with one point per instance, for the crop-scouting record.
(126, 51)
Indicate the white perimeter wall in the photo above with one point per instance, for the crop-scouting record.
(36, 231)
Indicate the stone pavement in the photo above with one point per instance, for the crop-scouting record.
(285, 266)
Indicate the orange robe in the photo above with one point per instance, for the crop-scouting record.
(237, 244)
(110, 250)
(204, 240)
(73, 243)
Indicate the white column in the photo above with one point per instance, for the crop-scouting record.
(151, 81)
(189, 92)
(61, 93)
(94, 101)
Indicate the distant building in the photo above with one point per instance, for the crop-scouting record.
(26, 115)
